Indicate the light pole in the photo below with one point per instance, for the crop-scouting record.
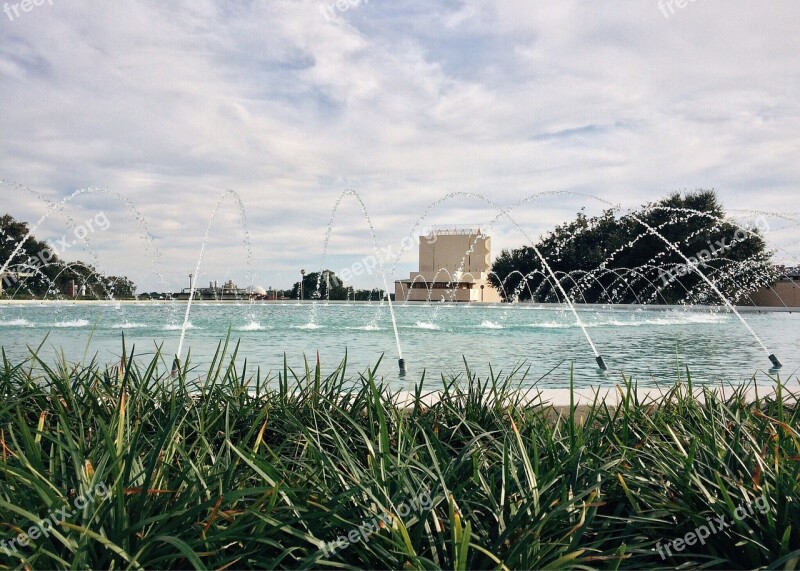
(302, 277)
(190, 284)
(482, 286)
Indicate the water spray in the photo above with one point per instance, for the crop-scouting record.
(354, 194)
(196, 274)
(693, 266)
(600, 362)
(501, 212)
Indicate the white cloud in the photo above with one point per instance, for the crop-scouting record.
(404, 101)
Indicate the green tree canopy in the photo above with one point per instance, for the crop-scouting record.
(327, 285)
(320, 285)
(617, 258)
(51, 275)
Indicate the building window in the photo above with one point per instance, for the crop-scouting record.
(441, 285)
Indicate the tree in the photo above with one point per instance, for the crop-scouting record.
(375, 294)
(320, 285)
(51, 275)
(611, 258)
(98, 285)
(338, 291)
(34, 257)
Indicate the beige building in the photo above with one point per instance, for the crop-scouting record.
(454, 265)
(785, 293)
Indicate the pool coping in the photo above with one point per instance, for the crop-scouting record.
(613, 396)
(577, 306)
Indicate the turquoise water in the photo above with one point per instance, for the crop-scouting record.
(647, 344)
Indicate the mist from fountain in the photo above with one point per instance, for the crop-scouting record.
(693, 266)
(672, 247)
(154, 254)
(503, 213)
(363, 207)
(557, 281)
(235, 196)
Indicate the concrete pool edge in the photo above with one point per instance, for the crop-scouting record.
(612, 396)
(545, 306)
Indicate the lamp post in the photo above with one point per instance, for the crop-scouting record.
(190, 284)
(482, 286)
(302, 277)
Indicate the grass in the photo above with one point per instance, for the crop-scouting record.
(228, 469)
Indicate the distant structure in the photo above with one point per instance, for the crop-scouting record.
(214, 291)
(454, 265)
(784, 293)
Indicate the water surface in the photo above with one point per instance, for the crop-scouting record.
(648, 344)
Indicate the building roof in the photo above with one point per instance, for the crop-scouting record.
(456, 230)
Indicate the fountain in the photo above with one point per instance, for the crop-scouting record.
(610, 283)
(692, 265)
(246, 240)
(502, 213)
(354, 194)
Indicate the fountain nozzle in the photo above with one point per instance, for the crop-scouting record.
(402, 363)
(775, 363)
(601, 363)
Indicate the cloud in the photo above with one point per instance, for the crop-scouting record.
(403, 101)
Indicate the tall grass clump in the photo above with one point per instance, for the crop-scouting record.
(228, 468)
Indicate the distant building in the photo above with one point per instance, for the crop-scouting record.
(228, 290)
(257, 292)
(784, 293)
(454, 265)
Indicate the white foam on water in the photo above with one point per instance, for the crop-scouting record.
(426, 325)
(552, 325)
(73, 323)
(15, 323)
(308, 326)
(128, 325)
(673, 318)
(176, 327)
(365, 328)
(252, 326)
(486, 324)
(709, 317)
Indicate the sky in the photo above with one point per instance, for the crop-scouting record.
(162, 108)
